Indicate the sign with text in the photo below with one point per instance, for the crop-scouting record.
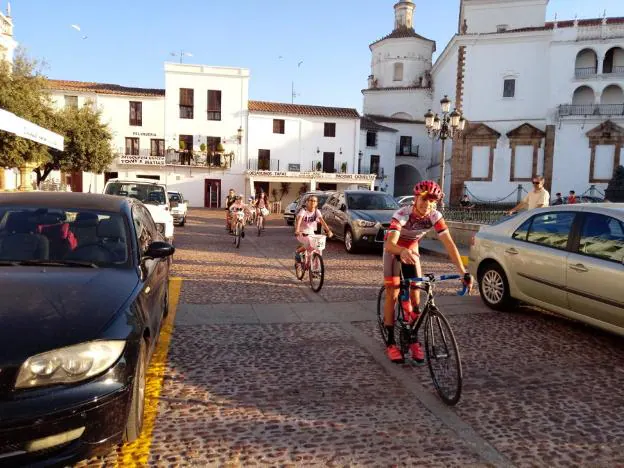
(143, 134)
(10, 122)
(145, 160)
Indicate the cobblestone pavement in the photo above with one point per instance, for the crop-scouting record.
(263, 372)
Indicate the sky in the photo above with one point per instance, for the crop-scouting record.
(128, 41)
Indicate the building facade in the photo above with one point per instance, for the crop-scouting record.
(7, 43)
(540, 98)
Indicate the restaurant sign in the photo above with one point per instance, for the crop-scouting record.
(144, 160)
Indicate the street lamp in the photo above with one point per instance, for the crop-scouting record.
(449, 125)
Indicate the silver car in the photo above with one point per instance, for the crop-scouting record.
(359, 217)
(568, 259)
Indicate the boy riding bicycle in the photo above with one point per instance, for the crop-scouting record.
(306, 224)
(237, 205)
(410, 224)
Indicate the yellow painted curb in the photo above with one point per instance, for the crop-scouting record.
(137, 453)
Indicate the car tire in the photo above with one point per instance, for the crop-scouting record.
(494, 287)
(290, 223)
(134, 425)
(348, 241)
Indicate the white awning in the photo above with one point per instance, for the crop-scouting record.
(10, 122)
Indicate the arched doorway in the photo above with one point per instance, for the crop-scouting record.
(586, 63)
(405, 177)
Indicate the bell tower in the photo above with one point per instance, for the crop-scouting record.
(404, 14)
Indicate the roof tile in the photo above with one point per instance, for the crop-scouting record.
(103, 88)
(299, 109)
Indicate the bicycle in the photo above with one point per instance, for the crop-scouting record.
(440, 342)
(239, 228)
(260, 219)
(313, 263)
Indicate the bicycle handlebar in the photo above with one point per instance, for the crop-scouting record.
(433, 279)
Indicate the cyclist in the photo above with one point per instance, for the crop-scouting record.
(262, 201)
(238, 204)
(306, 224)
(229, 201)
(410, 224)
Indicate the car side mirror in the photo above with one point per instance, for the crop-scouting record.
(159, 249)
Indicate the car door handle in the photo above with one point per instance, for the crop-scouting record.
(512, 251)
(579, 267)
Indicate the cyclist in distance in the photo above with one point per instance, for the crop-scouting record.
(305, 225)
(408, 226)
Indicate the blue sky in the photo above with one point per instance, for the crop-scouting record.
(128, 41)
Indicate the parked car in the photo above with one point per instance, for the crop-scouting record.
(152, 194)
(179, 206)
(568, 259)
(289, 212)
(84, 290)
(322, 197)
(359, 217)
(405, 200)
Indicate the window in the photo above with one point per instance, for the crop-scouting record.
(264, 160)
(186, 103)
(136, 113)
(330, 129)
(481, 162)
(405, 147)
(604, 161)
(279, 126)
(71, 101)
(602, 237)
(132, 146)
(214, 104)
(371, 139)
(142, 224)
(509, 88)
(551, 229)
(398, 71)
(157, 147)
(374, 164)
(523, 231)
(211, 145)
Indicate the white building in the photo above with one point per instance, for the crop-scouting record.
(398, 96)
(541, 98)
(7, 43)
(201, 135)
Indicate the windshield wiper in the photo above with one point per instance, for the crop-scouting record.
(61, 263)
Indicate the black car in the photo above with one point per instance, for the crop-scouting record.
(83, 294)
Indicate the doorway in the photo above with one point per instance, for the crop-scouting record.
(212, 193)
(260, 185)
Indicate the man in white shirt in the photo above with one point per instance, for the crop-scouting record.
(538, 198)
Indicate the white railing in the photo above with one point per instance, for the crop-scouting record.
(607, 31)
(6, 25)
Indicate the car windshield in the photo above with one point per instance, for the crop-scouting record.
(322, 198)
(174, 197)
(147, 193)
(371, 201)
(62, 237)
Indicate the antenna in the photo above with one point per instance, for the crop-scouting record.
(181, 54)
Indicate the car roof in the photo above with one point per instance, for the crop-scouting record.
(585, 206)
(366, 191)
(74, 200)
(138, 181)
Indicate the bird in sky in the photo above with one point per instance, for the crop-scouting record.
(76, 27)
(299, 64)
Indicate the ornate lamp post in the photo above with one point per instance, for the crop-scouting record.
(449, 125)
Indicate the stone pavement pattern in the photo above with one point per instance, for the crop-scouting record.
(263, 372)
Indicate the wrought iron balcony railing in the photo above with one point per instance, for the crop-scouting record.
(591, 109)
(263, 165)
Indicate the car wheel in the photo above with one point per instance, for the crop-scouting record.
(348, 241)
(494, 287)
(290, 223)
(134, 424)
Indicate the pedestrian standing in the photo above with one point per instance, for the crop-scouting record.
(572, 198)
(537, 198)
(558, 200)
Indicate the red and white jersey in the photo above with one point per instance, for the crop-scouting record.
(412, 227)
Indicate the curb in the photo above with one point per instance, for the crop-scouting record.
(436, 253)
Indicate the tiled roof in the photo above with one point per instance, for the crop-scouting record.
(299, 109)
(402, 33)
(102, 88)
(383, 118)
(369, 124)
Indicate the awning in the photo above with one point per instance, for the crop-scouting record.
(11, 123)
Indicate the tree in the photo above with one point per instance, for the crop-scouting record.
(615, 189)
(23, 92)
(87, 143)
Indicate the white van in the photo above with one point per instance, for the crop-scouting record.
(152, 194)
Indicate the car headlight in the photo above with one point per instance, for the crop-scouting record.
(362, 223)
(69, 365)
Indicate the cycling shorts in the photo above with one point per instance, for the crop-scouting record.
(392, 268)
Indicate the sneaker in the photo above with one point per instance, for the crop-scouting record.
(394, 354)
(418, 354)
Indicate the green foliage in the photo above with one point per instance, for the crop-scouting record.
(615, 189)
(284, 189)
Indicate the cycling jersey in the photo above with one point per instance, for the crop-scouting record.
(412, 228)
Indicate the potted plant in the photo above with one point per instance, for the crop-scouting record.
(343, 167)
(202, 147)
(318, 166)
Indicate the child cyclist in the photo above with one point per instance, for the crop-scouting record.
(306, 224)
(239, 204)
(410, 224)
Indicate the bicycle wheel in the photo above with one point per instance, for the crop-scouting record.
(237, 235)
(443, 357)
(317, 272)
(299, 269)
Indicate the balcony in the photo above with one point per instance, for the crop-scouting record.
(408, 151)
(334, 168)
(566, 110)
(263, 165)
(173, 158)
(377, 171)
(586, 72)
(614, 71)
